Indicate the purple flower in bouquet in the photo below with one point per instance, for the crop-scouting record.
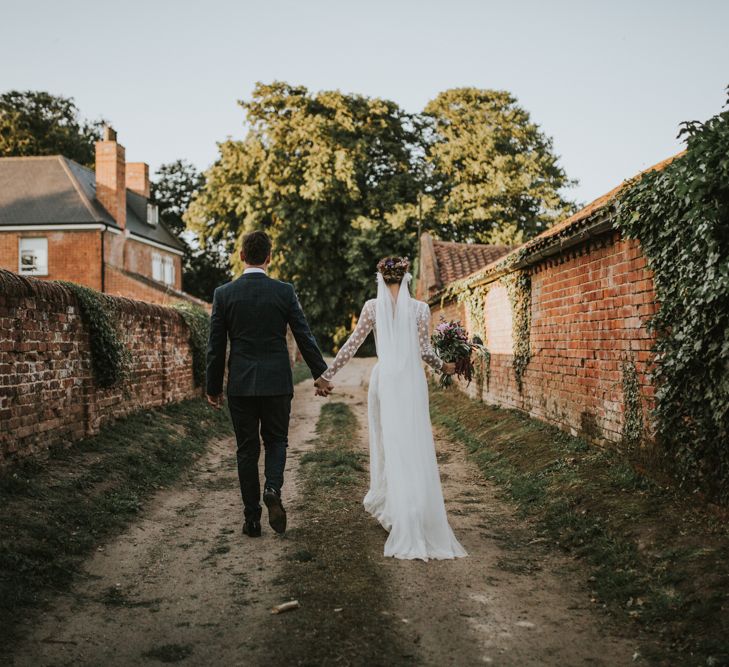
(450, 341)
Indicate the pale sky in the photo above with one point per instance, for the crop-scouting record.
(608, 81)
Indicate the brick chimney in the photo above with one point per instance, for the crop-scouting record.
(111, 177)
(138, 178)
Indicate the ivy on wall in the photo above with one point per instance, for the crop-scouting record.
(680, 215)
(109, 357)
(483, 371)
(632, 406)
(198, 321)
(519, 289)
(474, 298)
(472, 291)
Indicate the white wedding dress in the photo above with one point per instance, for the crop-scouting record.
(405, 494)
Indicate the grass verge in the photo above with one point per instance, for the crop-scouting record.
(657, 558)
(301, 372)
(331, 569)
(54, 511)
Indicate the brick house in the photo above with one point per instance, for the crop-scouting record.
(62, 221)
(442, 262)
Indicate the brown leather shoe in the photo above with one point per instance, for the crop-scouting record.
(276, 511)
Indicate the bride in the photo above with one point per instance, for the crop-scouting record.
(405, 494)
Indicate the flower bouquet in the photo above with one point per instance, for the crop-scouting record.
(450, 341)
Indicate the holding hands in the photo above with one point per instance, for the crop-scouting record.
(323, 386)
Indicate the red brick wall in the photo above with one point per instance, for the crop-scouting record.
(47, 393)
(114, 248)
(76, 256)
(427, 283)
(589, 312)
(120, 284)
(451, 310)
(138, 258)
(72, 254)
(111, 179)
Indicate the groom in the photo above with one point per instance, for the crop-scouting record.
(253, 312)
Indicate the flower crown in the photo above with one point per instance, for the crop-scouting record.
(393, 268)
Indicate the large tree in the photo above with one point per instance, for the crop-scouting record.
(329, 176)
(494, 176)
(205, 264)
(38, 123)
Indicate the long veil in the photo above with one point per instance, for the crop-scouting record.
(396, 345)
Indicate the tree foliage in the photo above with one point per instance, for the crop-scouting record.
(494, 175)
(329, 176)
(681, 217)
(173, 188)
(205, 265)
(38, 123)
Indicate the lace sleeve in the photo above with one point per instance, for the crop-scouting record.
(364, 325)
(427, 353)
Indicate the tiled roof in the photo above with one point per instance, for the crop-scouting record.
(457, 260)
(136, 223)
(46, 190)
(55, 190)
(579, 219)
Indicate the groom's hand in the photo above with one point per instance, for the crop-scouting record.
(323, 387)
(216, 401)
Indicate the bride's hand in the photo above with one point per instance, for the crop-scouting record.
(323, 387)
(449, 367)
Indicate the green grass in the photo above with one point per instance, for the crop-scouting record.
(301, 372)
(334, 462)
(333, 561)
(657, 558)
(55, 511)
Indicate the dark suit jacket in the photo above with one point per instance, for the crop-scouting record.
(253, 311)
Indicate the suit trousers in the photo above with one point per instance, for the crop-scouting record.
(267, 417)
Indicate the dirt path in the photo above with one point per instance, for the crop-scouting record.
(512, 601)
(182, 584)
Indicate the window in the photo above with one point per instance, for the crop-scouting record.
(152, 214)
(157, 266)
(33, 256)
(163, 268)
(169, 270)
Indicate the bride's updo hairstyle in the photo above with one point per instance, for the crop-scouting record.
(393, 269)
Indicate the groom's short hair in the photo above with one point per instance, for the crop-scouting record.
(256, 247)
